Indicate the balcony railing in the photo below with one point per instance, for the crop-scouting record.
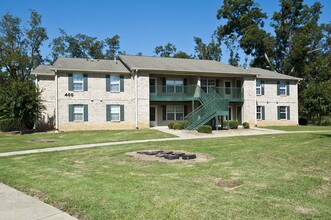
(191, 92)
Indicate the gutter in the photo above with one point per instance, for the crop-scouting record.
(57, 101)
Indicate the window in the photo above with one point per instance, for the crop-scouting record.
(258, 87)
(260, 112)
(115, 113)
(175, 85)
(78, 82)
(152, 85)
(78, 112)
(282, 112)
(114, 83)
(207, 83)
(175, 112)
(282, 88)
(227, 87)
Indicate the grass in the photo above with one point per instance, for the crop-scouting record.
(15, 142)
(300, 128)
(285, 176)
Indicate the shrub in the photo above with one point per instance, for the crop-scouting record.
(7, 125)
(246, 125)
(233, 124)
(205, 129)
(171, 125)
(303, 121)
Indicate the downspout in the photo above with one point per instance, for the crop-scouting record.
(57, 102)
(136, 96)
(36, 119)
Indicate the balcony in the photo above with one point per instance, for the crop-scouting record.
(192, 92)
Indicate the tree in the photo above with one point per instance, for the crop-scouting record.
(181, 54)
(211, 51)
(244, 26)
(234, 58)
(20, 47)
(20, 100)
(165, 51)
(83, 46)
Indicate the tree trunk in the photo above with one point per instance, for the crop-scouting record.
(21, 128)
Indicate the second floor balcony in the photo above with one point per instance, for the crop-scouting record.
(192, 92)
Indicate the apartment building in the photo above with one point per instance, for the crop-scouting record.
(140, 92)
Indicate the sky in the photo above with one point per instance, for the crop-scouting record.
(142, 25)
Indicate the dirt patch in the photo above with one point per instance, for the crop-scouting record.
(227, 183)
(41, 141)
(305, 210)
(201, 158)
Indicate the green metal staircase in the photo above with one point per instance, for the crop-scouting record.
(212, 106)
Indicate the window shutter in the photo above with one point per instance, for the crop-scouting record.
(70, 82)
(185, 110)
(278, 89)
(108, 112)
(278, 112)
(164, 113)
(107, 83)
(163, 84)
(263, 112)
(288, 113)
(122, 112)
(85, 82)
(85, 112)
(262, 87)
(71, 112)
(288, 88)
(121, 83)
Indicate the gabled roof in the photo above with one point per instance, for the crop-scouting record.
(267, 74)
(89, 65)
(44, 70)
(167, 65)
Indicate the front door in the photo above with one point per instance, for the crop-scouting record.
(152, 116)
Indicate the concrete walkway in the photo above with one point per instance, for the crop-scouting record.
(15, 205)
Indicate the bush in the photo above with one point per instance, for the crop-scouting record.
(179, 125)
(303, 121)
(7, 125)
(233, 124)
(171, 125)
(246, 125)
(205, 129)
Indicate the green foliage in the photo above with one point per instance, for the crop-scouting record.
(20, 100)
(84, 46)
(7, 125)
(171, 125)
(182, 54)
(165, 51)
(180, 125)
(20, 46)
(232, 124)
(246, 125)
(212, 51)
(205, 129)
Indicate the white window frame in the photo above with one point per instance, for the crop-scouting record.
(112, 111)
(284, 113)
(115, 80)
(177, 109)
(258, 87)
(259, 112)
(282, 88)
(75, 108)
(175, 83)
(76, 80)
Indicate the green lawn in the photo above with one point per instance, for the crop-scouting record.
(300, 128)
(284, 176)
(15, 142)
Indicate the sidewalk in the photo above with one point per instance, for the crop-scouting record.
(16, 205)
